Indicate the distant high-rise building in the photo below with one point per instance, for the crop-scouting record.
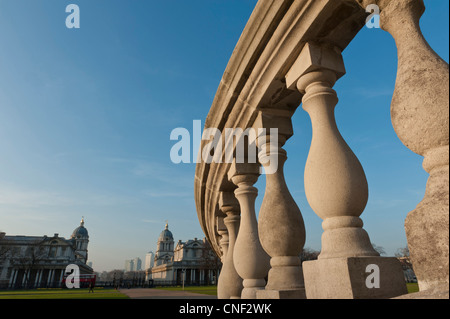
(149, 260)
(137, 264)
(129, 265)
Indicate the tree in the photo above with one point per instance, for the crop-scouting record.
(379, 249)
(209, 260)
(309, 254)
(402, 252)
(4, 252)
(34, 254)
(402, 255)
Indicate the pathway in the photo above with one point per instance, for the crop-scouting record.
(146, 293)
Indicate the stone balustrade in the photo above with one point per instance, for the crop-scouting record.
(290, 54)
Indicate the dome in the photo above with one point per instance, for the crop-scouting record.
(80, 231)
(166, 234)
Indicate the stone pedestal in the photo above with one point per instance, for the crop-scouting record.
(354, 278)
(285, 280)
(281, 294)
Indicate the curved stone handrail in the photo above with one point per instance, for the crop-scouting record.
(255, 78)
(290, 53)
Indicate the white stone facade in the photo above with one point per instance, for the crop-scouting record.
(40, 261)
(192, 262)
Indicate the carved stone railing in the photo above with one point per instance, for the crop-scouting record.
(420, 116)
(290, 53)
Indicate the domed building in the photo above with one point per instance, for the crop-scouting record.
(80, 238)
(164, 252)
(41, 261)
(192, 262)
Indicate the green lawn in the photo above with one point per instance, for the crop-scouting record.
(412, 287)
(99, 293)
(205, 290)
(111, 293)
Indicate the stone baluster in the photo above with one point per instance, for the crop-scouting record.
(420, 117)
(224, 239)
(250, 259)
(337, 191)
(281, 226)
(230, 283)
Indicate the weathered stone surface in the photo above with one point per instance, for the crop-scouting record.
(427, 231)
(440, 291)
(254, 79)
(269, 60)
(250, 259)
(281, 294)
(345, 278)
(337, 191)
(281, 225)
(229, 285)
(420, 116)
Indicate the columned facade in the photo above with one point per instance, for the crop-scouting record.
(189, 263)
(40, 262)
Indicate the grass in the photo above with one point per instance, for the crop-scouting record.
(99, 293)
(205, 290)
(412, 287)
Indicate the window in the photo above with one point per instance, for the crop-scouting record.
(52, 253)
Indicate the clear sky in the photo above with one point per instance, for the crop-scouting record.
(86, 116)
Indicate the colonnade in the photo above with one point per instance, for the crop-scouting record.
(261, 255)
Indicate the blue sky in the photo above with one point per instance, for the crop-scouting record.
(86, 117)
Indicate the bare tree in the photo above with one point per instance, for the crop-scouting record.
(4, 253)
(115, 276)
(402, 252)
(34, 254)
(209, 260)
(134, 278)
(379, 249)
(309, 254)
(402, 255)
